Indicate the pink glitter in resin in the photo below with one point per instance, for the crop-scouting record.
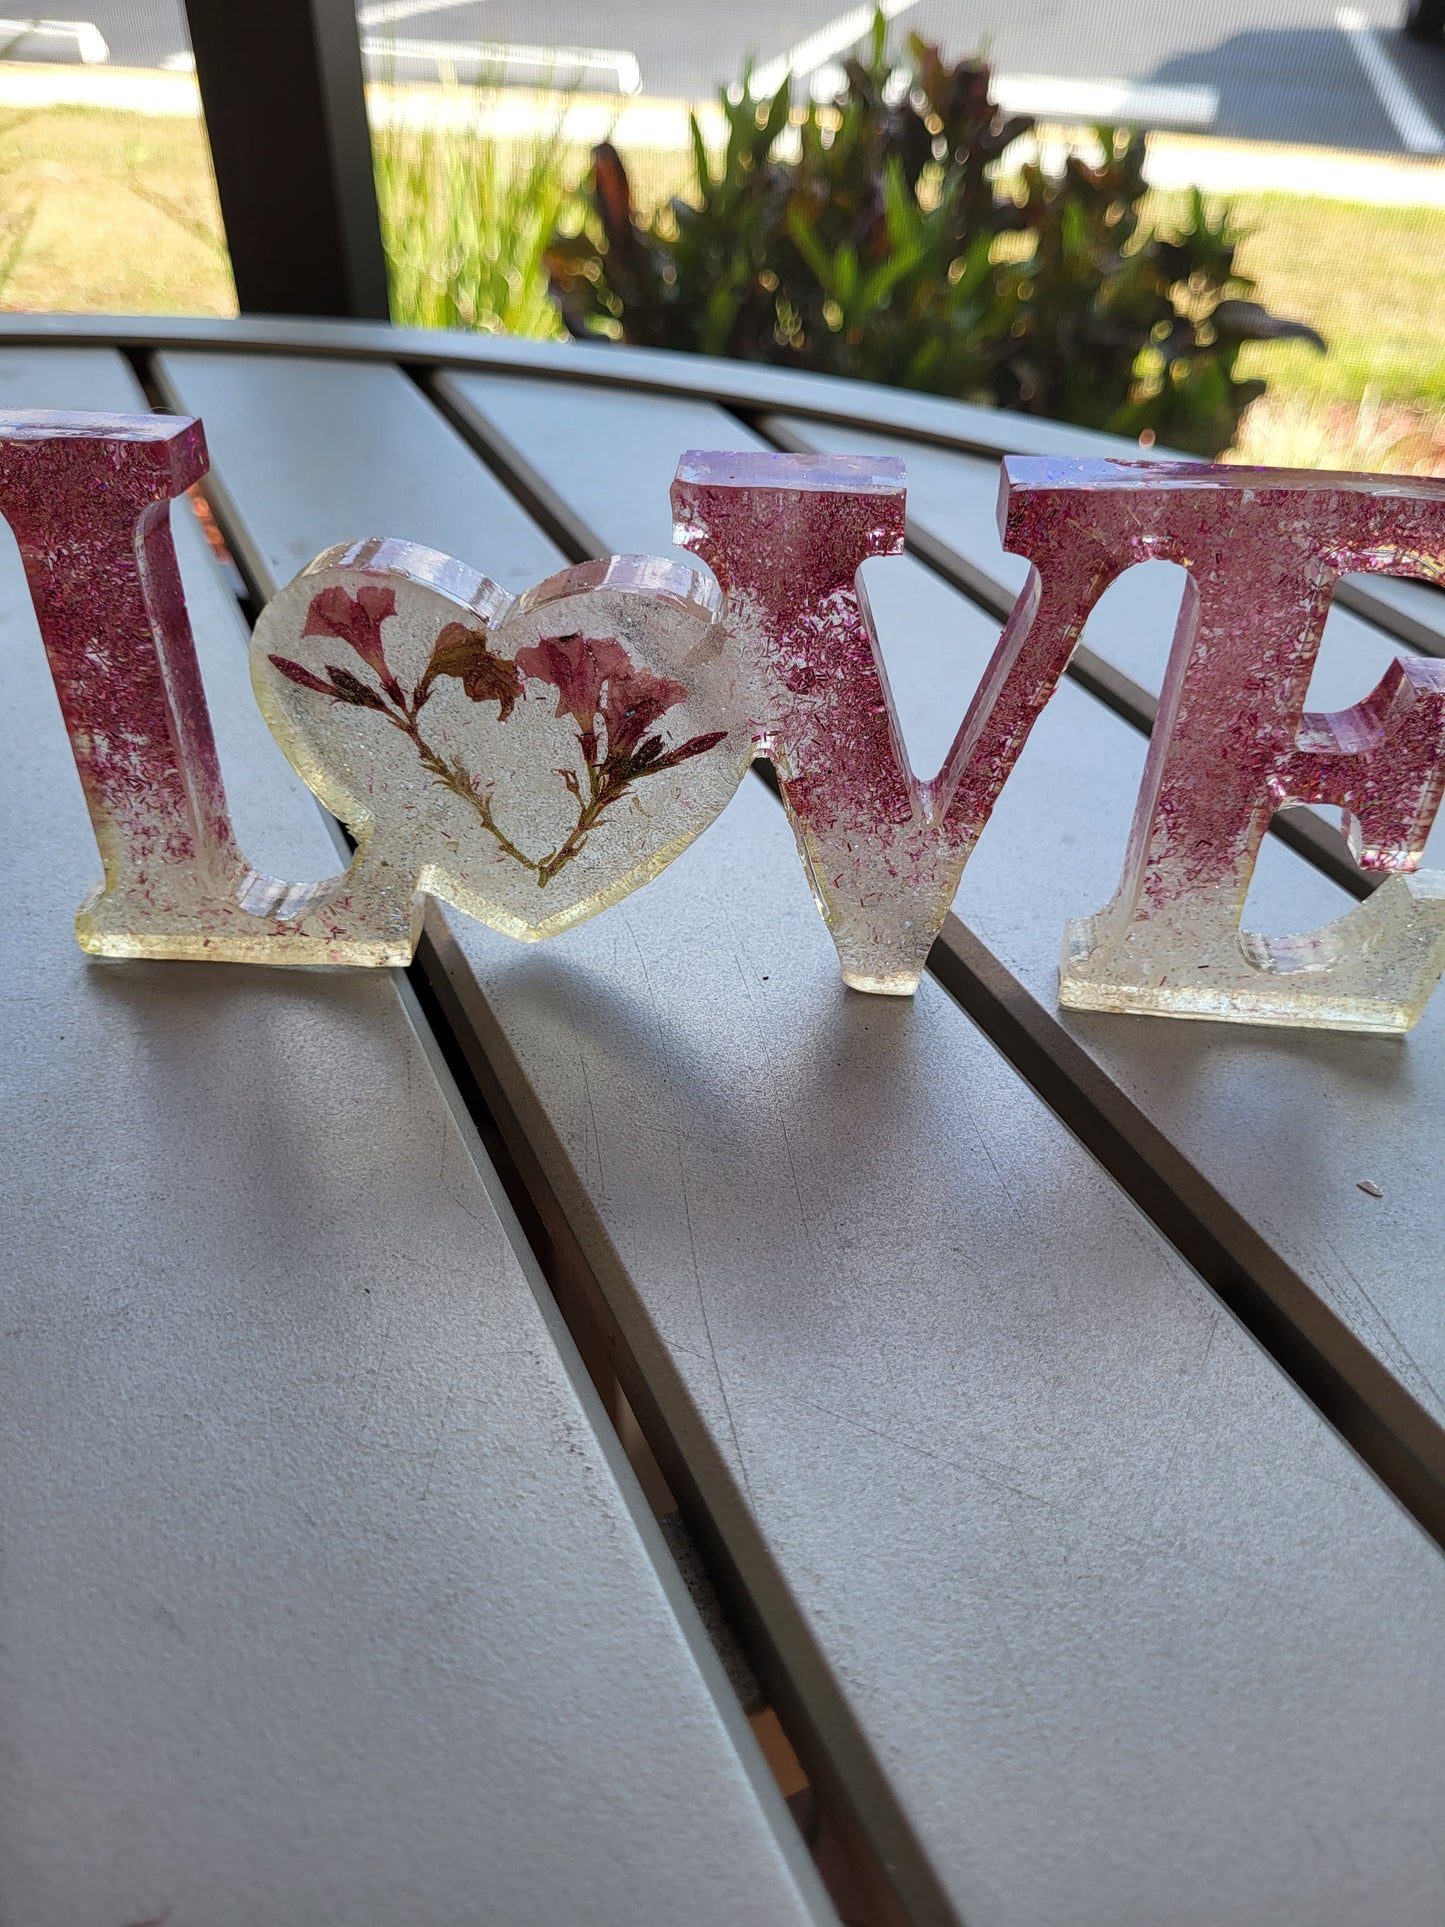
(1232, 741)
(786, 535)
(88, 498)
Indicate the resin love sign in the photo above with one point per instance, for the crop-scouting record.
(533, 759)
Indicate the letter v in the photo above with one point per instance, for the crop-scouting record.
(785, 535)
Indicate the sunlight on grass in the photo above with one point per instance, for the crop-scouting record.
(1293, 431)
(116, 214)
(1371, 279)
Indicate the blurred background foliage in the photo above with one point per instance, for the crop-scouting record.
(876, 236)
(466, 220)
(115, 211)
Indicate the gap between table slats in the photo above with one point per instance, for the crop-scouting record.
(315, 1538)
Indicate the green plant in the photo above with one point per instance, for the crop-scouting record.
(465, 218)
(873, 237)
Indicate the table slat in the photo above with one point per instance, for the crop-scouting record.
(323, 1598)
(1094, 1617)
(1364, 1309)
(1413, 611)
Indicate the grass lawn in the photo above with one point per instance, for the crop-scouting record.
(113, 212)
(1371, 279)
(110, 213)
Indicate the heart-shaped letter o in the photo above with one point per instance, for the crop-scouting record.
(530, 759)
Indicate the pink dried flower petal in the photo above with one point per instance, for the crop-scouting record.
(300, 675)
(576, 666)
(357, 620)
(633, 703)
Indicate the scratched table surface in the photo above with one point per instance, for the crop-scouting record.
(1058, 1420)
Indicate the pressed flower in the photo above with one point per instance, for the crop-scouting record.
(669, 759)
(597, 683)
(576, 666)
(634, 701)
(341, 686)
(351, 689)
(486, 678)
(304, 676)
(357, 620)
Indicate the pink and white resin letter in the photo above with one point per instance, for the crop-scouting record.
(785, 535)
(1232, 741)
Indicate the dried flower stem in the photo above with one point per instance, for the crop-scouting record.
(589, 814)
(454, 777)
(597, 682)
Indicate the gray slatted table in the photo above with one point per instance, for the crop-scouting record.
(1076, 1608)
(327, 1595)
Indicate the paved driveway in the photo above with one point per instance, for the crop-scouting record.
(1283, 70)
